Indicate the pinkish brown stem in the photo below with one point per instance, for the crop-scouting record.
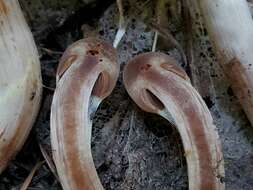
(86, 74)
(157, 85)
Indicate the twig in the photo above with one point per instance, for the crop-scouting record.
(188, 32)
(48, 88)
(155, 41)
(122, 25)
(162, 31)
(168, 36)
(159, 8)
(30, 176)
(51, 52)
(49, 161)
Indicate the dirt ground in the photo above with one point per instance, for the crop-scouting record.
(131, 149)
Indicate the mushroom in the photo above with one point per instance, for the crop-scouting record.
(87, 73)
(20, 80)
(158, 85)
(230, 26)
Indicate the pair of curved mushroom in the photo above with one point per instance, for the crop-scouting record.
(86, 75)
(88, 72)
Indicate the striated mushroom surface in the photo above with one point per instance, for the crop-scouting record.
(87, 73)
(158, 85)
(20, 80)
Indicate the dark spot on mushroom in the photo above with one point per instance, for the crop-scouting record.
(145, 67)
(93, 52)
(32, 95)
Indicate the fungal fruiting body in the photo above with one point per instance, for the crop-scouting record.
(158, 85)
(87, 73)
(20, 80)
(230, 26)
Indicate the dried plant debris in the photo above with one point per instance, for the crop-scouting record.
(232, 124)
(132, 149)
(230, 27)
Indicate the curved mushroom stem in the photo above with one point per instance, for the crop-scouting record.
(20, 80)
(230, 27)
(157, 85)
(86, 74)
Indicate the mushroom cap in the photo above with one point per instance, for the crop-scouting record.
(89, 54)
(145, 67)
